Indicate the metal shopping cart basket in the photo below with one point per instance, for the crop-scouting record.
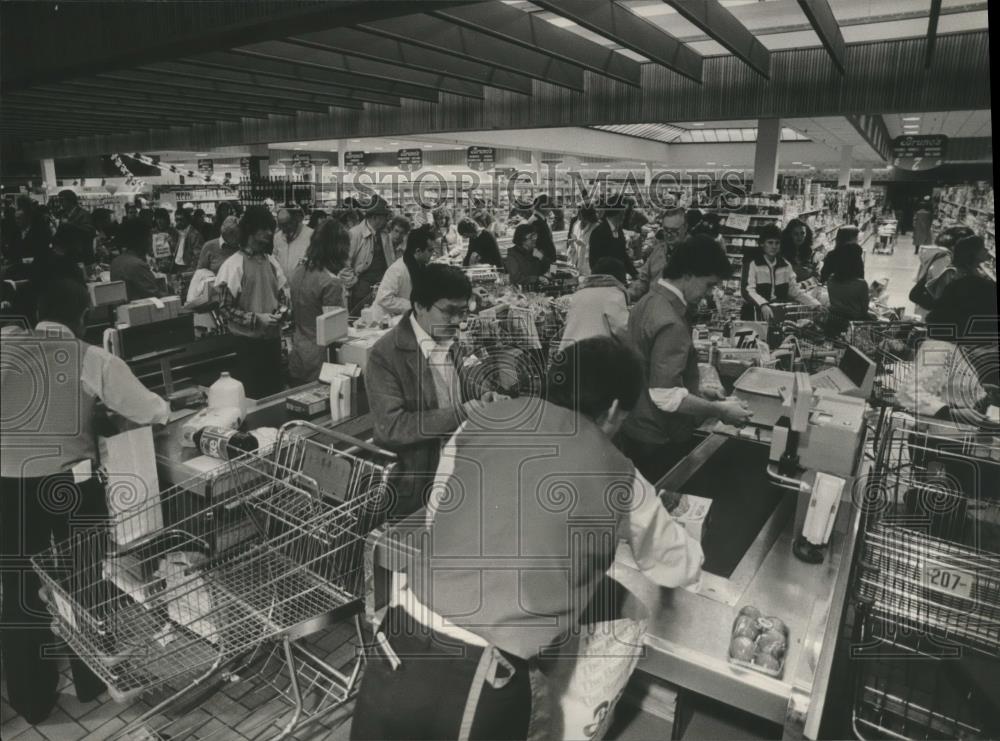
(926, 640)
(885, 236)
(222, 576)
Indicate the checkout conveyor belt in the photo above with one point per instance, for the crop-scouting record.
(735, 519)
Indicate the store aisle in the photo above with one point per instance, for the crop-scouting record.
(900, 268)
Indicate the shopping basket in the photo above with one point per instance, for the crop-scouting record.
(197, 582)
(927, 631)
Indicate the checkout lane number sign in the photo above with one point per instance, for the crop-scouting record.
(916, 153)
(948, 579)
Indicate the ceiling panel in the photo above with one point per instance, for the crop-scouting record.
(957, 124)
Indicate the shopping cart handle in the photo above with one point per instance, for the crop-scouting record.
(338, 436)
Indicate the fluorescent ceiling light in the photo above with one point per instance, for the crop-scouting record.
(200, 154)
(395, 144)
(911, 118)
(796, 163)
(709, 163)
(698, 124)
(355, 140)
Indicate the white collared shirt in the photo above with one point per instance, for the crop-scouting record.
(438, 357)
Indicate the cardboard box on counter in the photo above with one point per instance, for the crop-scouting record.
(149, 310)
(107, 293)
(356, 351)
(308, 404)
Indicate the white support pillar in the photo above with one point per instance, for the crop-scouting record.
(537, 167)
(846, 159)
(647, 174)
(868, 178)
(765, 159)
(49, 174)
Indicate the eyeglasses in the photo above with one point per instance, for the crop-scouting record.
(453, 312)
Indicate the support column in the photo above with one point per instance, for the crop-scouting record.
(765, 159)
(868, 178)
(537, 167)
(49, 174)
(647, 175)
(846, 159)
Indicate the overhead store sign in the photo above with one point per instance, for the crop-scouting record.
(354, 161)
(303, 160)
(923, 152)
(206, 167)
(410, 159)
(481, 158)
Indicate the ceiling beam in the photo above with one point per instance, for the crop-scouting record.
(612, 21)
(725, 28)
(104, 107)
(873, 130)
(825, 25)
(362, 67)
(269, 82)
(210, 88)
(932, 28)
(475, 47)
(187, 100)
(438, 58)
(290, 70)
(529, 32)
(47, 42)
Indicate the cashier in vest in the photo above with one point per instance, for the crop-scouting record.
(371, 255)
(421, 383)
(658, 432)
(53, 383)
(769, 278)
(529, 502)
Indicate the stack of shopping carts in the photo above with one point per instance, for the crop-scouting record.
(223, 576)
(926, 644)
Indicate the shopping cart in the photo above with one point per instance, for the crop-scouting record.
(221, 577)
(885, 236)
(927, 609)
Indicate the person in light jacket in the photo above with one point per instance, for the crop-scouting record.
(315, 285)
(599, 308)
(371, 255)
(393, 296)
(769, 278)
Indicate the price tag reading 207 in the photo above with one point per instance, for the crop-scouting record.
(948, 579)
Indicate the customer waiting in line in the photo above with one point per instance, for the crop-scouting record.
(525, 263)
(465, 632)
(217, 251)
(49, 486)
(451, 241)
(578, 240)
(393, 296)
(316, 286)
(189, 242)
(483, 247)
(77, 225)
(658, 431)
(968, 304)
(845, 244)
(540, 213)
(421, 384)
(316, 217)
(599, 308)
(934, 263)
(132, 265)
(848, 293)
(768, 279)
(253, 296)
(292, 239)
(672, 231)
(371, 255)
(796, 249)
(399, 227)
(922, 220)
(608, 237)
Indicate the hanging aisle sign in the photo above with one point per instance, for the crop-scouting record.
(206, 167)
(410, 159)
(303, 160)
(354, 161)
(922, 152)
(155, 162)
(481, 158)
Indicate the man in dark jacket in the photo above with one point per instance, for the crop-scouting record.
(77, 226)
(421, 386)
(608, 239)
(130, 266)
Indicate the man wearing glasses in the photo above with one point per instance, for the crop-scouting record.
(421, 386)
(673, 229)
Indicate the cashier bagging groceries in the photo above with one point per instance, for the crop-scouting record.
(529, 502)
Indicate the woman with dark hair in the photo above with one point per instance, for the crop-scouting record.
(848, 293)
(968, 303)
(316, 287)
(482, 244)
(253, 298)
(317, 217)
(845, 246)
(796, 248)
(525, 263)
(393, 295)
(132, 266)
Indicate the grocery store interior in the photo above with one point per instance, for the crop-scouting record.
(383, 369)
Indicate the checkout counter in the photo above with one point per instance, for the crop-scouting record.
(749, 560)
